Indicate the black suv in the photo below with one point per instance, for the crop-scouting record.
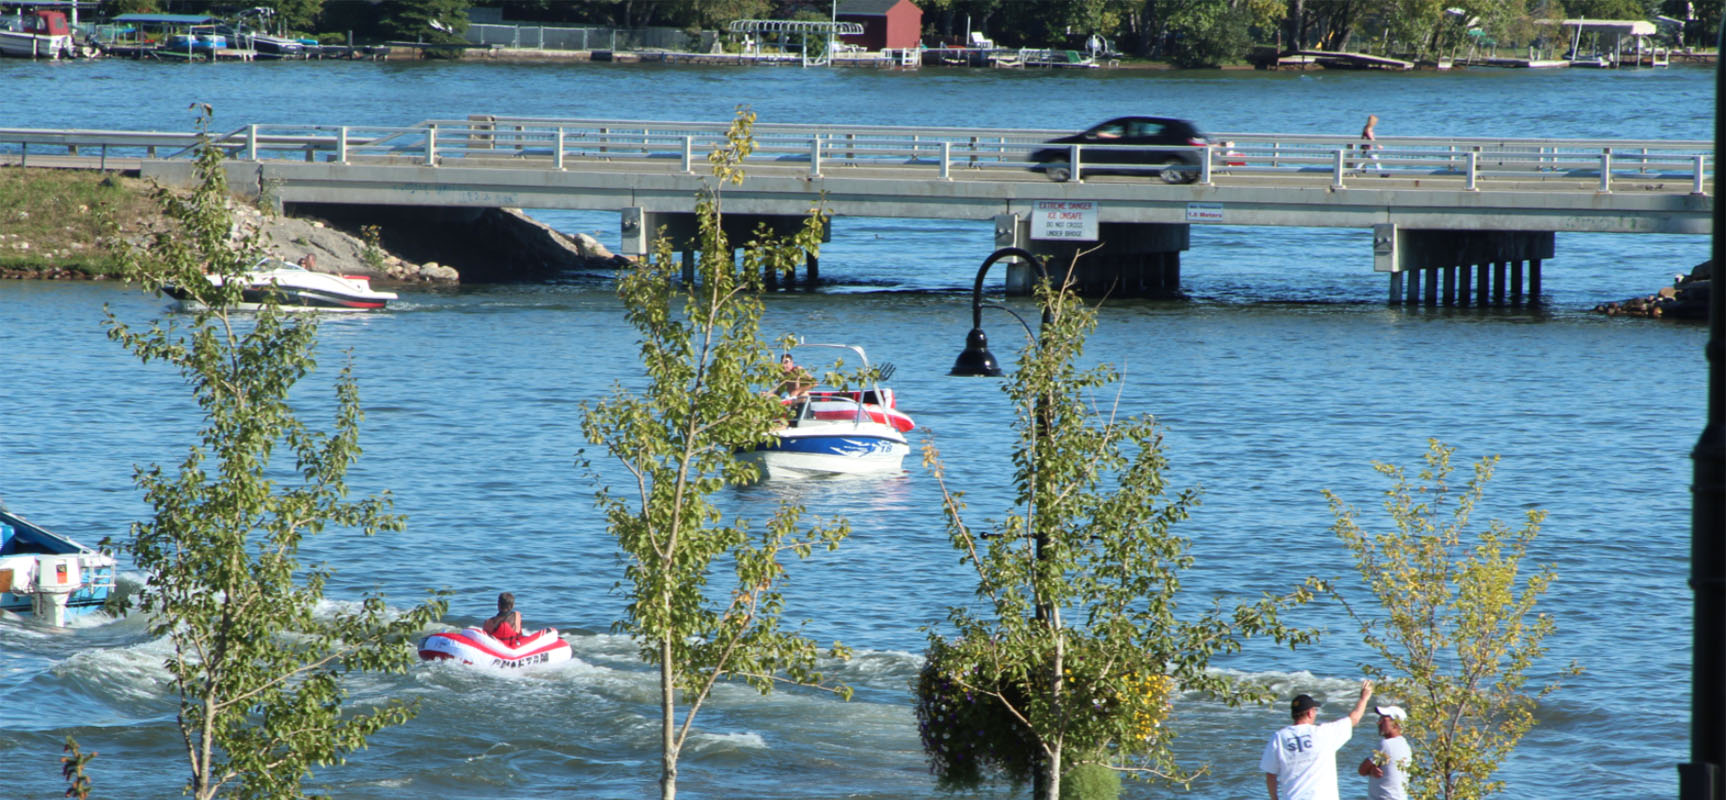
(1179, 166)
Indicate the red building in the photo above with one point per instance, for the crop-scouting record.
(886, 23)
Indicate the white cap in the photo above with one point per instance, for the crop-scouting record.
(1394, 712)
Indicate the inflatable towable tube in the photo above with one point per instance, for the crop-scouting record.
(477, 648)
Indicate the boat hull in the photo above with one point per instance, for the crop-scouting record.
(474, 647)
(300, 289)
(851, 451)
(18, 44)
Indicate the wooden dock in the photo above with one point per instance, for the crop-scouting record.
(1337, 59)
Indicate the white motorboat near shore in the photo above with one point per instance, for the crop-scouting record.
(837, 432)
(39, 34)
(297, 288)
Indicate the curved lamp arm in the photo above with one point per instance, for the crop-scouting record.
(976, 360)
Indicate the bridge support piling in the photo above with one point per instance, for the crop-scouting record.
(1126, 260)
(1534, 281)
(641, 228)
(1397, 251)
(812, 270)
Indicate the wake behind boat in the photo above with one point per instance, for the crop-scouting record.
(296, 288)
(836, 432)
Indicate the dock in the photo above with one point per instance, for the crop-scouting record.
(1337, 59)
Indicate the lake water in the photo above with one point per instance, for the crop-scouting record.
(1282, 374)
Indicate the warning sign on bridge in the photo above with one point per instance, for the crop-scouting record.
(1072, 220)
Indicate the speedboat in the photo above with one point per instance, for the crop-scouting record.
(836, 432)
(475, 647)
(296, 288)
(41, 34)
(47, 575)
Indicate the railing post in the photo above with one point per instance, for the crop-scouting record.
(689, 155)
(431, 146)
(252, 142)
(1336, 170)
(342, 145)
(815, 156)
(1205, 168)
(24, 154)
(1473, 170)
(1073, 159)
(1606, 170)
(1701, 164)
(557, 159)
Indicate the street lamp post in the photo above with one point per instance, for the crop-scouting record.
(1701, 779)
(976, 361)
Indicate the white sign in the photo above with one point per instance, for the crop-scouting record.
(1073, 220)
(1204, 212)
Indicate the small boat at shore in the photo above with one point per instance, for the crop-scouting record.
(837, 432)
(49, 576)
(38, 34)
(296, 288)
(475, 647)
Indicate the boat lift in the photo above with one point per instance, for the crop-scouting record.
(804, 29)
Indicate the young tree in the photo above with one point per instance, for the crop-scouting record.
(1459, 632)
(1073, 663)
(706, 366)
(257, 667)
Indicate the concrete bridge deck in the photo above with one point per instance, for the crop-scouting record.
(1466, 186)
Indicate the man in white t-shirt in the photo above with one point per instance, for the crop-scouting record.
(1385, 770)
(1300, 759)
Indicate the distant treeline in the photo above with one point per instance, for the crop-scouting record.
(1185, 32)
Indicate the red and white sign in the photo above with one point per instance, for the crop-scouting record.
(1072, 220)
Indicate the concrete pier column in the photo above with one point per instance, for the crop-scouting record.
(1534, 281)
(1396, 288)
(1399, 250)
(689, 266)
(1516, 282)
(770, 278)
(812, 269)
(641, 228)
(1128, 259)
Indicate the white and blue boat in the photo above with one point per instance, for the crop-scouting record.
(837, 432)
(49, 576)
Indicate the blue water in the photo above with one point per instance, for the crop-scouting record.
(1283, 374)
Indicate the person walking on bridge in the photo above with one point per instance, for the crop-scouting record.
(1369, 143)
(1300, 760)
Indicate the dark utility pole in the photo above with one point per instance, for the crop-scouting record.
(1701, 778)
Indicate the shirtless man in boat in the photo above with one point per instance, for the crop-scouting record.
(794, 380)
(506, 626)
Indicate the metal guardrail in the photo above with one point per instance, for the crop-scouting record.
(944, 153)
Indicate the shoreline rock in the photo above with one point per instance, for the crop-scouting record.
(1686, 298)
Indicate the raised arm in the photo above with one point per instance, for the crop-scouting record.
(1360, 705)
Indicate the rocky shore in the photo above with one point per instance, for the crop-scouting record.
(1686, 298)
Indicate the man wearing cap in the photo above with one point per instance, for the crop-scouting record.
(1300, 759)
(1385, 779)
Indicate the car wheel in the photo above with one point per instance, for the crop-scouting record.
(1176, 171)
(1059, 174)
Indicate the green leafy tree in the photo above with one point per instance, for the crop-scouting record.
(1459, 631)
(678, 438)
(1072, 661)
(1207, 33)
(257, 668)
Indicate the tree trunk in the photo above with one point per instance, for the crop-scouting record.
(667, 724)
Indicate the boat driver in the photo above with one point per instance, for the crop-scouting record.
(794, 381)
(506, 626)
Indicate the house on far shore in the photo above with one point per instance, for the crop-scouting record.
(887, 24)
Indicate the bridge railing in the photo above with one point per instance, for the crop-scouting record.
(944, 153)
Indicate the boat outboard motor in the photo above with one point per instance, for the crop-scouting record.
(56, 580)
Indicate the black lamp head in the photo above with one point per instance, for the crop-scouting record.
(976, 361)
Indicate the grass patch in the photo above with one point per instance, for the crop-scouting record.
(58, 220)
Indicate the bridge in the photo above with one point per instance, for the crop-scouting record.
(1437, 206)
